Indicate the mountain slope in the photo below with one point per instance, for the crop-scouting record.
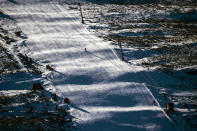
(105, 93)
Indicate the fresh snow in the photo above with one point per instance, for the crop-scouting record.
(105, 93)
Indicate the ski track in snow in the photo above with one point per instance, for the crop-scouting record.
(105, 93)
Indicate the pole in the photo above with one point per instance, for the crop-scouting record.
(82, 21)
(121, 51)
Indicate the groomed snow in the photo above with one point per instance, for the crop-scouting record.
(105, 93)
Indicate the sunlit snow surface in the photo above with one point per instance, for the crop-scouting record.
(105, 93)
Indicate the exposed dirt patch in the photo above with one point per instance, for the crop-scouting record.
(7, 63)
(36, 110)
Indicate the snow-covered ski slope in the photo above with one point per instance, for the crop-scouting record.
(105, 93)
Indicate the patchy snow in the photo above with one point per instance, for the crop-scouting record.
(13, 92)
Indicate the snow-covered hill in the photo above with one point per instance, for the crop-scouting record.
(105, 93)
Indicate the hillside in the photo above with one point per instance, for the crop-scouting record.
(66, 75)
